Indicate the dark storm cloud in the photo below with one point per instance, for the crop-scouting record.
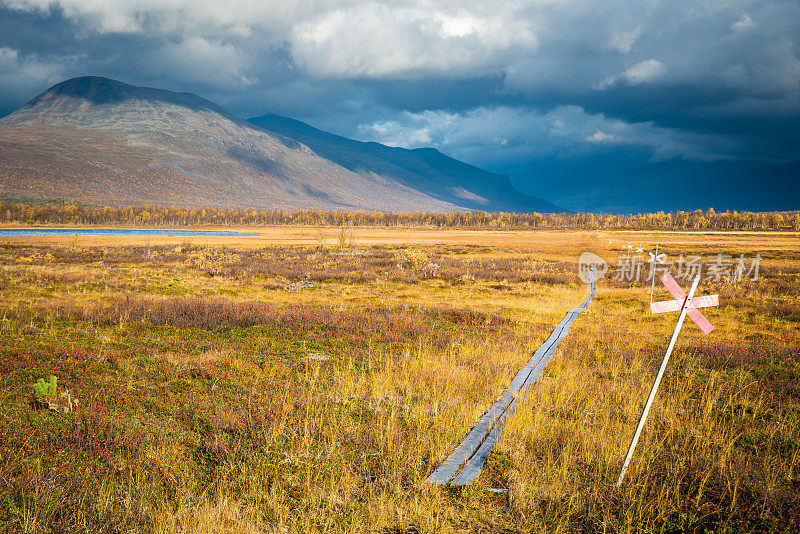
(502, 86)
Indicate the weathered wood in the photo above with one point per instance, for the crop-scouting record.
(445, 472)
(465, 463)
(472, 469)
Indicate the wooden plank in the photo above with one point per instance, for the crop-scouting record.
(472, 470)
(445, 472)
(479, 443)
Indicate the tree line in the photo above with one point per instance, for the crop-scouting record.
(64, 213)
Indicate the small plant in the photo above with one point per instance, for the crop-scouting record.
(320, 238)
(417, 260)
(209, 259)
(346, 236)
(46, 391)
(47, 395)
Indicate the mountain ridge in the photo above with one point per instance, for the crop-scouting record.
(672, 185)
(100, 140)
(404, 164)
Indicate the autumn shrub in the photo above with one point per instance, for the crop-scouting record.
(390, 324)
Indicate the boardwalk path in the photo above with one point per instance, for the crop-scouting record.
(465, 463)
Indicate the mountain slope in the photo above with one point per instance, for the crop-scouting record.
(637, 187)
(610, 184)
(425, 169)
(102, 141)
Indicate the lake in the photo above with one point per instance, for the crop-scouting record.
(57, 232)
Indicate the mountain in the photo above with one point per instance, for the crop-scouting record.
(423, 169)
(687, 185)
(102, 141)
(635, 185)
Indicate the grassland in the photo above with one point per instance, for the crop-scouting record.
(309, 380)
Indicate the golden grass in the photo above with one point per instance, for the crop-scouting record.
(324, 420)
(539, 240)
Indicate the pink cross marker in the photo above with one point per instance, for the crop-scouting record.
(679, 298)
(688, 306)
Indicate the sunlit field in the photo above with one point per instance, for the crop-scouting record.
(309, 380)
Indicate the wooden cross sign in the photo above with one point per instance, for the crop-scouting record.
(679, 298)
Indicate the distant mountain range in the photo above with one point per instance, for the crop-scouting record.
(101, 141)
(620, 186)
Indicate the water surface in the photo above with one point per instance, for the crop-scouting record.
(57, 232)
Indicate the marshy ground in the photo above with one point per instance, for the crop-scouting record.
(310, 380)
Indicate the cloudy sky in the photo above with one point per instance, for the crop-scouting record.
(510, 86)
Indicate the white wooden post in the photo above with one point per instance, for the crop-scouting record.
(660, 374)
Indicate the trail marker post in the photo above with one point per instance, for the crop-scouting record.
(678, 303)
(687, 304)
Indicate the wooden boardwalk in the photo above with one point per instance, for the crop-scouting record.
(464, 465)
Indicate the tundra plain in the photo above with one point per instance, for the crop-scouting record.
(311, 379)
